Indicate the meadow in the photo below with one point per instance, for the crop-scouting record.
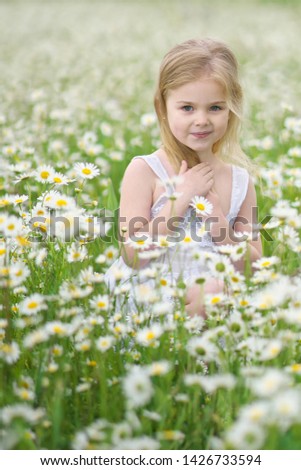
(77, 371)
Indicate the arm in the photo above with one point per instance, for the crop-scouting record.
(222, 233)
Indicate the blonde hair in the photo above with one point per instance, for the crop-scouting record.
(185, 63)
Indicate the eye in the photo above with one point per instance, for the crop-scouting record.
(187, 107)
(215, 108)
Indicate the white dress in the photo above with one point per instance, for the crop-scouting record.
(176, 262)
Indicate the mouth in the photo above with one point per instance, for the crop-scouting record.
(200, 135)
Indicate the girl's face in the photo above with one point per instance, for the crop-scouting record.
(198, 115)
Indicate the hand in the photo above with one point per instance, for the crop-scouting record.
(196, 181)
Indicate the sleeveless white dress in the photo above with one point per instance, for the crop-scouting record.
(176, 262)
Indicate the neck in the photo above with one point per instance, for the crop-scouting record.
(211, 158)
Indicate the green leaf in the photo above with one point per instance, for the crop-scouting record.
(112, 201)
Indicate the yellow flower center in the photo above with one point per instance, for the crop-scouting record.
(44, 174)
(200, 206)
(265, 264)
(57, 329)
(92, 363)
(86, 171)
(150, 335)
(32, 304)
(61, 202)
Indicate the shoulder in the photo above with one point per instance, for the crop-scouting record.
(138, 166)
(138, 173)
(241, 171)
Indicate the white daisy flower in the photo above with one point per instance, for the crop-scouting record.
(44, 173)
(103, 343)
(61, 202)
(266, 262)
(13, 226)
(9, 352)
(100, 302)
(76, 252)
(202, 205)
(19, 199)
(59, 179)
(137, 387)
(86, 170)
(140, 241)
(148, 335)
(148, 119)
(32, 304)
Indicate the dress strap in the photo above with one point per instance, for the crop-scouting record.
(240, 183)
(155, 163)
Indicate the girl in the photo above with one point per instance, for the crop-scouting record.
(199, 167)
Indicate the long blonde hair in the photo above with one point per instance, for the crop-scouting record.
(188, 62)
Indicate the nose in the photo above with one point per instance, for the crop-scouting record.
(201, 118)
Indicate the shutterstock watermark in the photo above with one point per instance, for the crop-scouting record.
(88, 228)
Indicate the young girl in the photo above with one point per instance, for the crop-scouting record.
(167, 196)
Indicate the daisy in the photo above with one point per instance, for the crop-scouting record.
(86, 170)
(145, 294)
(57, 328)
(103, 343)
(163, 241)
(187, 240)
(13, 226)
(32, 304)
(294, 152)
(266, 262)
(106, 129)
(202, 348)
(170, 435)
(100, 302)
(44, 174)
(256, 412)
(19, 199)
(59, 179)
(148, 119)
(159, 368)
(6, 200)
(18, 272)
(220, 266)
(76, 252)
(142, 242)
(201, 205)
(25, 412)
(61, 202)
(148, 336)
(3, 249)
(287, 407)
(270, 383)
(137, 387)
(245, 435)
(9, 352)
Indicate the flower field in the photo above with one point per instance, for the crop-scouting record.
(78, 370)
